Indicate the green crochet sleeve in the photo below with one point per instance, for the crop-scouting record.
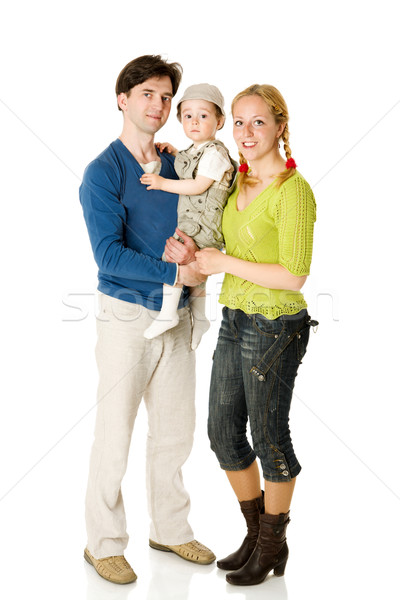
(295, 215)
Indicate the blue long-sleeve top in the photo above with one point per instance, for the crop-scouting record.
(128, 226)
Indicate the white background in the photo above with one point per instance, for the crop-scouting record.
(337, 66)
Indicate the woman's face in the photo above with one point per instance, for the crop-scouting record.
(254, 128)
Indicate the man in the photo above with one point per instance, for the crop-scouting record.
(128, 226)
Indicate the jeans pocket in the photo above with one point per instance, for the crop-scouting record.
(267, 327)
(272, 352)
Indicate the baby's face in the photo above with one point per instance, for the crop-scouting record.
(199, 120)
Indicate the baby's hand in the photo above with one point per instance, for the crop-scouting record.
(168, 147)
(153, 182)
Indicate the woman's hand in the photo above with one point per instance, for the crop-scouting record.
(178, 252)
(210, 261)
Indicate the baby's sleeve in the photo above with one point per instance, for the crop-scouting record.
(295, 214)
(213, 164)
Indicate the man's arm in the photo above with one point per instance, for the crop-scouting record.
(106, 219)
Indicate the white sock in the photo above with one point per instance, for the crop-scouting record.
(200, 322)
(168, 316)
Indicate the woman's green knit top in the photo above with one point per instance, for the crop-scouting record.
(277, 228)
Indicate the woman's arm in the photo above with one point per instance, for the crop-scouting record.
(272, 276)
(188, 187)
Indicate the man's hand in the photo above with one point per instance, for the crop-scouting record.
(153, 182)
(178, 252)
(189, 275)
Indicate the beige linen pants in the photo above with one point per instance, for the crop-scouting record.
(162, 372)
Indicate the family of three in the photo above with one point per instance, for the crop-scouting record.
(158, 220)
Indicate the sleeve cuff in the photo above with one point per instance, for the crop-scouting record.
(176, 276)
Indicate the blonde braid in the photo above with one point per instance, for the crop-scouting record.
(284, 175)
(285, 139)
(245, 178)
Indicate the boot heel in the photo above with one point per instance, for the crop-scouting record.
(279, 571)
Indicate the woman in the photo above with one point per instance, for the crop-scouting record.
(268, 230)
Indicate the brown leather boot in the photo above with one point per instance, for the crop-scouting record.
(271, 552)
(251, 510)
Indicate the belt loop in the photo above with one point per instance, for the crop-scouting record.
(232, 321)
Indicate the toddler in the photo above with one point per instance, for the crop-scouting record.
(206, 174)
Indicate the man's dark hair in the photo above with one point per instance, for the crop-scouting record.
(145, 67)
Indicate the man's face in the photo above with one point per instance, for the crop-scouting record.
(148, 105)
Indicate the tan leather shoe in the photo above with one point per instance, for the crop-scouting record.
(193, 551)
(113, 568)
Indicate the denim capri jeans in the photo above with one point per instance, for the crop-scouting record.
(254, 367)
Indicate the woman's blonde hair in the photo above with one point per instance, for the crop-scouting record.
(277, 105)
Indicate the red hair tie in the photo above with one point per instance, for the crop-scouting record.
(290, 164)
(244, 167)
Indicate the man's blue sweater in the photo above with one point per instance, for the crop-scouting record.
(128, 226)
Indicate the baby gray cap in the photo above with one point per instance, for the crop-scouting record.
(204, 91)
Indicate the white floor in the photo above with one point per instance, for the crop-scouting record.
(342, 537)
(336, 66)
